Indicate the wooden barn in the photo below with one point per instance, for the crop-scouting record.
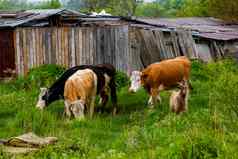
(202, 38)
(60, 36)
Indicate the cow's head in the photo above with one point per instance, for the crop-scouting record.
(77, 108)
(42, 99)
(135, 80)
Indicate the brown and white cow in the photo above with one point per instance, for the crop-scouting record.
(159, 76)
(106, 74)
(80, 92)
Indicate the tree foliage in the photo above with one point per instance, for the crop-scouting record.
(23, 4)
(13, 4)
(224, 9)
(190, 8)
(115, 7)
(227, 9)
(50, 4)
(149, 10)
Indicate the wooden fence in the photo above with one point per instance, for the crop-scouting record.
(70, 46)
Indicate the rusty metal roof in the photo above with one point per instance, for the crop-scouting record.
(16, 18)
(38, 17)
(210, 28)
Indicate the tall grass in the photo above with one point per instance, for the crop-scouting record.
(208, 130)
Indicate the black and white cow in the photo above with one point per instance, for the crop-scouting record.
(105, 82)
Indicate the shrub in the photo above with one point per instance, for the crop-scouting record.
(198, 71)
(122, 80)
(40, 76)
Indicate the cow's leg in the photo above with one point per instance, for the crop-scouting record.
(154, 92)
(91, 106)
(158, 97)
(67, 106)
(103, 99)
(150, 101)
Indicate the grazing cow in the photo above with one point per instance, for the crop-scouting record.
(159, 76)
(179, 99)
(79, 93)
(105, 80)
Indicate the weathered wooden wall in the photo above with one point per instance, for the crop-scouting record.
(70, 46)
(153, 45)
(127, 48)
(7, 57)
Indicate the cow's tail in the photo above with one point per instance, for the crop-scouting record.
(113, 92)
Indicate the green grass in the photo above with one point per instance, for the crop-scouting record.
(208, 130)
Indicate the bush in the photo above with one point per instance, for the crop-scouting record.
(122, 80)
(44, 75)
(198, 71)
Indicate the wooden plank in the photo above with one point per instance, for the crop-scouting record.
(59, 50)
(91, 57)
(31, 47)
(41, 46)
(62, 46)
(37, 47)
(27, 51)
(54, 45)
(31, 55)
(72, 50)
(66, 46)
(34, 49)
(94, 45)
(18, 52)
(77, 62)
(22, 51)
(84, 46)
(80, 45)
(25, 68)
(126, 42)
(87, 46)
(46, 45)
(49, 37)
(98, 45)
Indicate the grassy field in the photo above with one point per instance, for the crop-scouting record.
(208, 130)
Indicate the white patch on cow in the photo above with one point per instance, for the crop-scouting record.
(161, 87)
(107, 81)
(67, 108)
(77, 108)
(135, 81)
(41, 103)
(150, 101)
(106, 87)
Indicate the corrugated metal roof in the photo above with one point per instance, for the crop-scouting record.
(7, 19)
(14, 19)
(204, 27)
